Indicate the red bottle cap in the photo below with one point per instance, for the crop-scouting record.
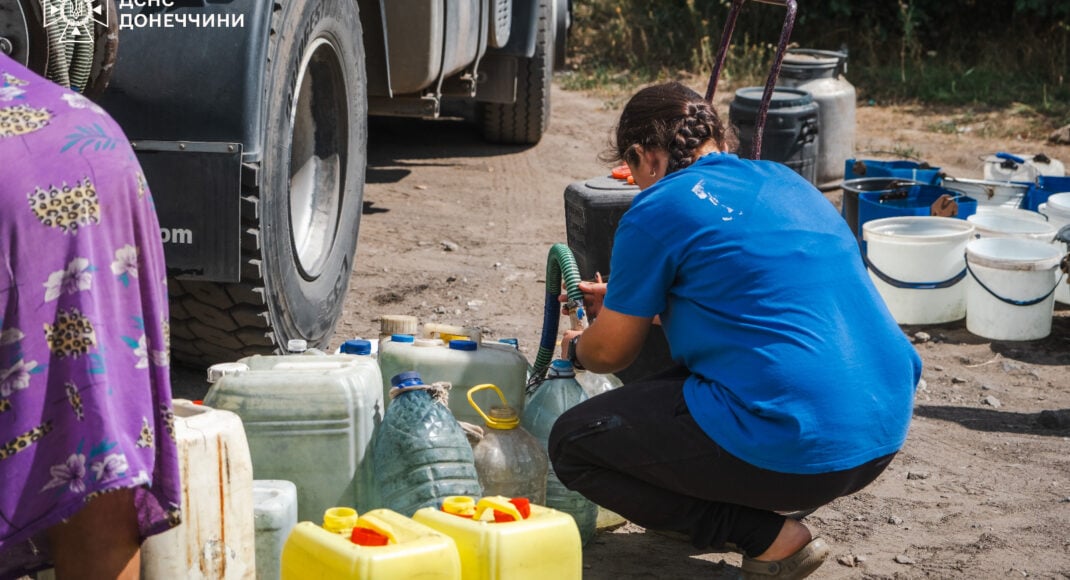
(522, 505)
(366, 537)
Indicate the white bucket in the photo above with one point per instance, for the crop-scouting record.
(1009, 293)
(996, 193)
(1003, 222)
(917, 265)
(1057, 209)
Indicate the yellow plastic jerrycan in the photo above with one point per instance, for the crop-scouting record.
(497, 542)
(381, 544)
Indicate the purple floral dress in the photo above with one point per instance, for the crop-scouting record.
(85, 392)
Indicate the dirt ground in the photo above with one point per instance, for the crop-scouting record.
(457, 231)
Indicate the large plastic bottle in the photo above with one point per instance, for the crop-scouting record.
(509, 460)
(558, 393)
(420, 455)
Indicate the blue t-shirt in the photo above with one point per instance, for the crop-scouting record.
(797, 365)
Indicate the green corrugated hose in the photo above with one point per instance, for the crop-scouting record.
(560, 266)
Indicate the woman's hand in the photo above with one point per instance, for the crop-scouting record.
(593, 295)
(567, 337)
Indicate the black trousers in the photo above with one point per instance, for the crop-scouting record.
(636, 450)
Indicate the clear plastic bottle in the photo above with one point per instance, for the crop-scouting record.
(558, 393)
(420, 454)
(596, 384)
(510, 461)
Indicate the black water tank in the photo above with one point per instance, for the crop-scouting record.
(593, 209)
(790, 135)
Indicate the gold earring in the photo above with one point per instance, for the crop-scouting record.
(653, 173)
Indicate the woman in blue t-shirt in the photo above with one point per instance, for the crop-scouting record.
(794, 387)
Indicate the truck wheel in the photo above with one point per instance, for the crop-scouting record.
(524, 121)
(300, 222)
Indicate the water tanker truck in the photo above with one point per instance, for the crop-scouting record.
(250, 120)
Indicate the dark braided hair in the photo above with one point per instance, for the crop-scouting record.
(670, 117)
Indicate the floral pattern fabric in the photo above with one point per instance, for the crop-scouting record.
(85, 393)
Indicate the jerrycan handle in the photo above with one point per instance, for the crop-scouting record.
(492, 423)
(500, 503)
(375, 524)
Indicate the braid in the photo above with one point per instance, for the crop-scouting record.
(696, 127)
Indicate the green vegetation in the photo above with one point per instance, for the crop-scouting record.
(986, 54)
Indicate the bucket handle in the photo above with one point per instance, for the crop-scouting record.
(913, 285)
(1010, 301)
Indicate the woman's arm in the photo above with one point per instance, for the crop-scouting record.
(611, 343)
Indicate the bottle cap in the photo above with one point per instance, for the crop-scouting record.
(402, 338)
(296, 345)
(357, 346)
(366, 537)
(463, 344)
(397, 324)
(406, 379)
(220, 370)
(510, 341)
(459, 505)
(562, 368)
(339, 519)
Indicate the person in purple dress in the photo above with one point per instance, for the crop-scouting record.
(88, 459)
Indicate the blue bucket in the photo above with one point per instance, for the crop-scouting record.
(913, 170)
(1044, 188)
(916, 200)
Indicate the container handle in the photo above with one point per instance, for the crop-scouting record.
(493, 423)
(774, 72)
(500, 503)
(1009, 300)
(374, 523)
(913, 285)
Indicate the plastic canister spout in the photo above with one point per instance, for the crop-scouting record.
(372, 531)
(459, 505)
(356, 346)
(340, 520)
(296, 345)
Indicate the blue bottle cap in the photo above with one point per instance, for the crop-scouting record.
(402, 337)
(356, 346)
(459, 344)
(512, 341)
(406, 379)
(561, 364)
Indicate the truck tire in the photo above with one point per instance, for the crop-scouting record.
(300, 222)
(524, 121)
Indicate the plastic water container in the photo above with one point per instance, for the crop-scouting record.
(597, 383)
(509, 460)
(1057, 210)
(557, 394)
(216, 539)
(791, 129)
(1003, 222)
(1001, 193)
(420, 454)
(462, 363)
(593, 209)
(1044, 188)
(1009, 293)
(917, 265)
(413, 550)
(919, 171)
(822, 74)
(852, 188)
(1021, 167)
(916, 200)
(309, 420)
(544, 545)
(275, 515)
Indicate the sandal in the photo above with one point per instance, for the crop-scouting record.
(799, 565)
